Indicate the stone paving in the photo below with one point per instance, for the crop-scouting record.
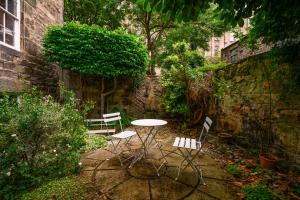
(140, 182)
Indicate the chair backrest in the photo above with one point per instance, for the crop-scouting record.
(205, 129)
(112, 117)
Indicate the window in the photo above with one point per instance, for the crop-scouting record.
(10, 23)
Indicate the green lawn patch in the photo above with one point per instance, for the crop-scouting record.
(68, 188)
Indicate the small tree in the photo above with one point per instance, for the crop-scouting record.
(92, 50)
(179, 68)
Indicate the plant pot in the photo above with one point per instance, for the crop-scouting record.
(224, 137)
(268, 161)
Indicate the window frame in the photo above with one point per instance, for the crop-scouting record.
(17, 23)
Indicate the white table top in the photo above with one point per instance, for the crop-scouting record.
(149, 122)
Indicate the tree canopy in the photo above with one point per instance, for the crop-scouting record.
(108, 13)
(271, 20)
(95, 51)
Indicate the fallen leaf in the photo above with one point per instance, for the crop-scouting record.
(238, 184)
(241, 195)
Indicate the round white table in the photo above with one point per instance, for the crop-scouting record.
(147, 141)
(149, 122)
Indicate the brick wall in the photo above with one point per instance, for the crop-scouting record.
(19, 70)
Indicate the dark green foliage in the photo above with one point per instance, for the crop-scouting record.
(39, 140)
(179, 10)
(296, 190)
(95, 142)
(108, 13)
(96, 51)
(234, 170)
(68, 188)
(257, 193)
(179, 67)
(271, 20)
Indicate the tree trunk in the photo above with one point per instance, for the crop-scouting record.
(105, 94)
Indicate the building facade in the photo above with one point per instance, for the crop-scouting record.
(216, 44)
(22, 26)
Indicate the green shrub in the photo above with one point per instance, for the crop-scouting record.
(40, 139)
(234, 170)
(179, 68)
(95, 142)
(68, 188)
(296, 190)
(257, 193)
(94, 50)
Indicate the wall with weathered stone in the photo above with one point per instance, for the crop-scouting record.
(245, 108)
(136, 96)
(18, 70)
(237, 51)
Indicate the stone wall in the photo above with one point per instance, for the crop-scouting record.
(147, 96)
(245, 108)
(137, 97)
(237, 51)
(19, 70)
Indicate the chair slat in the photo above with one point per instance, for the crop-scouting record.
(193, 144)
(124, 134)
(111, 119)
(208, 120)
(182, 141)
(176, 142)
(187, 143)
(206, 126)
(111, 115)
(101, 131)
(94, 120)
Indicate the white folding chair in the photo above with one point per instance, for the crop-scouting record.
(97, 126)
(123, 135)
(188, 146)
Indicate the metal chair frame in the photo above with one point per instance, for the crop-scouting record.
(186, 147)
(146, 145)
(123, 135)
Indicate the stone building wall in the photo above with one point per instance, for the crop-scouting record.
(245, 107)
(236, 52)
(18, 70)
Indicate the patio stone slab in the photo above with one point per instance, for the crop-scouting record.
(141, 182)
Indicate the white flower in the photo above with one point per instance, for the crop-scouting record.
(79, 163)
(56, 154)
(69, 146)
(8, 173)
(54, 150)
(14, 135)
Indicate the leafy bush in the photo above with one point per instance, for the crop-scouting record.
(67, 188)
(95, 142)
(296, 190)
(257, 193)
(234, 170)
(94, 50)
(40, 139)
(180, 67)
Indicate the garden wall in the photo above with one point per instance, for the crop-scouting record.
(20, 69)
(136, 96)
(245, 107)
